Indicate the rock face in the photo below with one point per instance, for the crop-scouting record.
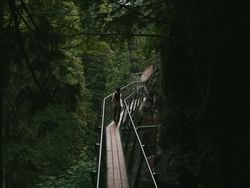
(147, 73)
(204, 102)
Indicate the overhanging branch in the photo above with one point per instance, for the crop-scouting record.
(20, 40)
(116, 34)
(155, 19)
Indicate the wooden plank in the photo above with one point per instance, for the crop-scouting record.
(108, 141)
(116, 169)
(110, 178)
(110, 175)
(122, 161)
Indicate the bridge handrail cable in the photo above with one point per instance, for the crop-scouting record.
(139, 141)
(102, 131)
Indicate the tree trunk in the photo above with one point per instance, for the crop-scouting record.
(1, 92)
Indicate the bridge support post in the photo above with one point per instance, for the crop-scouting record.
(97, 146)
(132, 154)
(137, 178)
(155, 176)
(128, 137)
(93, 178)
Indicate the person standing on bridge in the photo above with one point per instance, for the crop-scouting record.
(116, 105)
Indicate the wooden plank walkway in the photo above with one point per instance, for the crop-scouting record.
(116, 168)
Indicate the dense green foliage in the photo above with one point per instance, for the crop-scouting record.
(76, 176)
(59, 58)
(45, 96)
(53, 78)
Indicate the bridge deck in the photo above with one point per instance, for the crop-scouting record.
(116, 169)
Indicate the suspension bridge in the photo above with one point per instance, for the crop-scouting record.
(124, 149)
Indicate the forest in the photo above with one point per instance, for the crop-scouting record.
(60, 58)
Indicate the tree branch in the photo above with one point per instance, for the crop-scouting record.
(116, 34)
(32, 20)
(139, 13)
(20, 40)
(26, 23)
